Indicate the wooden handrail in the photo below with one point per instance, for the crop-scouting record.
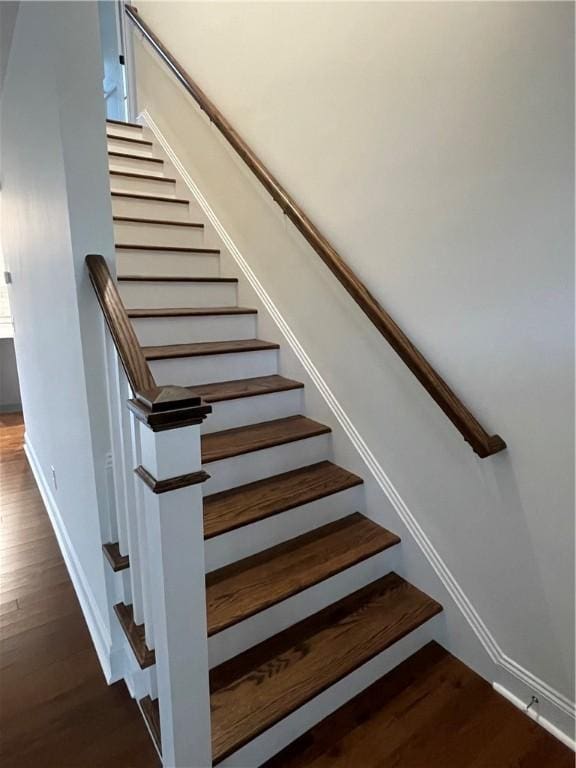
(161, 408)
(483, 443)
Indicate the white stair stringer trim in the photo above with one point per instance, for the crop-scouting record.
(557, 699)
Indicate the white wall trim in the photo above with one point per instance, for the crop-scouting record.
(92, 615)
(533, 714)
(487, 639)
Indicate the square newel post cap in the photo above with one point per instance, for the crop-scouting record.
(168, 407)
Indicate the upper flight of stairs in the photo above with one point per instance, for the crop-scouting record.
(301, 589)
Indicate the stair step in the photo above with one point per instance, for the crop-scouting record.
(242, 589)
(164, 248)
(235, 442)
(175, 279)
(263, 685)
(118, 561)
(238, 388)
(228, 510)
(255, 690)
(135, 634)
(124, 123)
(147, 176)
(116, 137)
(203, 348)
(192, 312)
(151, 198)
(130, 156)
(163, 222)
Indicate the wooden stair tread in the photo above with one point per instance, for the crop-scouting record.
(124, 122)
(175, 279)
(167, 248)
(151, 177)
(151, 712)
(135, 634)
(154, 198)
(203, 348)
(130, 139)
(246, 587)
(238, 388)
(261, 686)
(164, 222)
(256, 437)
(130, 156)
(191, 312)
(118, 561)
(228, 510)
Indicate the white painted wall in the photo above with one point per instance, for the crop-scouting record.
(432, 143)
(55, 209)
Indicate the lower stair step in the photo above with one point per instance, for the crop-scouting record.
(233, 390)
(260, 687)
(267, 434)
(135, 635)
(244, 588)
(228, 510)
(265, 684)
(203, 348)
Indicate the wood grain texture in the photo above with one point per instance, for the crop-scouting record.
(166, 248)
(151, 712)
(129, 139)
(239, 388)
(205, 348)
(135, 635)
(190, 312)
(174, 279)
(163, 222)
(258, 688)
(170, 483)
(117, 560)
(228, 510)
(248, 586)
(432, 711)
(266, 434)
(56, 710)
(483, 443)
(154, 198)
(144, 158)
(151, 177)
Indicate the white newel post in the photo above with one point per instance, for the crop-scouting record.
(171, 478)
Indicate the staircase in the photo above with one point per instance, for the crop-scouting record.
(304, 608)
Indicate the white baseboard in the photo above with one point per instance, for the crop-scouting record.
(557, 702)
(534, 714)
(94, 620)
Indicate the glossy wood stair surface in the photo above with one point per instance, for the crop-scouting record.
(135, 635)
(240, 388)
(117, 560)
(228, 510)
(204, 348)
(256, 437)
(189, 312)
(162, 222)
(248, 586)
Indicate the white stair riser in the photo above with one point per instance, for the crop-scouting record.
(142, 186)
(126, 130)
(129, 147)
(133, 165)
(142, 233)
(253, 410)
(263, 747)
(250, 467)
(167, 264)
(150, 209)
(187, 371)
(243, 542)
(263, 625)
(156, 295)
(152, 331)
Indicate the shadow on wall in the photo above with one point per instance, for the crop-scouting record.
(9, 386)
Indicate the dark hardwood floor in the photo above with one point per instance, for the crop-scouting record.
(56, 710)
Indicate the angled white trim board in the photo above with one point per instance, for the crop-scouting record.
(96, 625)
(482, 632)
